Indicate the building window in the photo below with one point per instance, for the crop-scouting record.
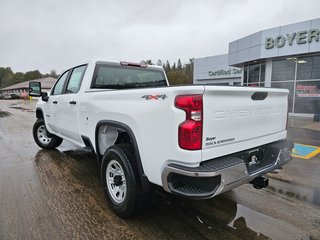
(307, 97)
(245, 76)
(283, 70)
(290, 87)
(308, 68)
(262, 73)
(254, 74)
(296, 74)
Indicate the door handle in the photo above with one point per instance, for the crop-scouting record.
(73, 102)
(54, 102)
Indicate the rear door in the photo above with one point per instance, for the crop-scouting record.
(239, 118)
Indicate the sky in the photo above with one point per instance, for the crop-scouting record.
(57, 34)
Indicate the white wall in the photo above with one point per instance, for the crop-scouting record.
(215, 70)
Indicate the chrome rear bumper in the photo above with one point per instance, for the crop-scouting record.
(218, 175)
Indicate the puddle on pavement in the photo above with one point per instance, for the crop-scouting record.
(222, 217)
(71, 177)
(302, 193)
(4, 114)
(22, 108)
(248, 221)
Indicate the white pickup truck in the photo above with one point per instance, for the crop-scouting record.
(195, 141)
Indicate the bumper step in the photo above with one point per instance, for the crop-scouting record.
(213, 165)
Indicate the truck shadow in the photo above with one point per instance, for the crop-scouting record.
(71, 181)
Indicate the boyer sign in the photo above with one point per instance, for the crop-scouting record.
(302, 37)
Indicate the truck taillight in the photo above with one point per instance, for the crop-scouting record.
(190, 131)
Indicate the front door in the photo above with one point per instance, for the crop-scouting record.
(54, 102)
(67, 113)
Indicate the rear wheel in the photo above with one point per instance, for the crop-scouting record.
(120, 179)
(43, 138)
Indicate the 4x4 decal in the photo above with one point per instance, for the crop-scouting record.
(155, 97)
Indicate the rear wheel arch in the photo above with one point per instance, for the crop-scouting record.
(125, 131)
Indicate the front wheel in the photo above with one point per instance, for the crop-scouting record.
(120, 180)
(43, 138)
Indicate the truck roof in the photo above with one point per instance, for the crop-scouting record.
(118, 63)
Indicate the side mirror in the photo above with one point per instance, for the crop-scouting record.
(35, 91)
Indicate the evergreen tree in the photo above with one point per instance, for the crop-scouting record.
(168, 68)
(189, 70)
(181, 74)
(179, 65)
(159, 62)
(149, 62)
(174, 66)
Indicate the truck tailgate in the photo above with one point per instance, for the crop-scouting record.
(239, 118)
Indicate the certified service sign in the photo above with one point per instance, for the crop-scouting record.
(225, 73)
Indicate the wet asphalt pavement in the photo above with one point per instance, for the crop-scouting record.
(58, 195)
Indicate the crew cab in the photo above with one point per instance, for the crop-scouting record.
(195, 141)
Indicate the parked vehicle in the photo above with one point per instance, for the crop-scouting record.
(14, 96)
(6, 96)
(194, 141)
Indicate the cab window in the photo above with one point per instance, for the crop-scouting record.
(76, 79)
(58, 88)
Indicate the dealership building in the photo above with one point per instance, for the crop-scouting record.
(22, 89)
(281, 57)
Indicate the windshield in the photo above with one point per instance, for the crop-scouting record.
(123, 77)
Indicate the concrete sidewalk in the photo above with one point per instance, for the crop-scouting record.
(301, 177)
(303, 122)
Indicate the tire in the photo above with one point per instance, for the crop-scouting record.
(40, 135)
(122, 190)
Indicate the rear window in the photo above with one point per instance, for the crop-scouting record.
(120, 77)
